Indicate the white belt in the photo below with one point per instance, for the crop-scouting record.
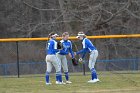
(92, 51)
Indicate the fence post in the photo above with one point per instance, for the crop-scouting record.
(5, 69)
(136, 64)
(84, 68)
(17, 59)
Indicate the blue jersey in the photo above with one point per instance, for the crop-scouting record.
(51, 47)
(67, 47)
(87, 47)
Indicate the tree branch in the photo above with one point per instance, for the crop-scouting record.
(40, 8)
(114, 15)
(131, 13)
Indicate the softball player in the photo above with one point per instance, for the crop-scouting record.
(67, 47)
(52, 59)
(90, 48)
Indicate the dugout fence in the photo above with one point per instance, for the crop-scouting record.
(21, 56)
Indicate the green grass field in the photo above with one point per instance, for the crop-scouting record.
(110, 83)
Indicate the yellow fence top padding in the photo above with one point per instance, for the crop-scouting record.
(71, 38)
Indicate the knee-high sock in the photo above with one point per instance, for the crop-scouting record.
(47, 77)
(67, 76)
(59, 76)
(93, 73)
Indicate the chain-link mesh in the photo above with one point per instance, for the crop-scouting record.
(121, 56)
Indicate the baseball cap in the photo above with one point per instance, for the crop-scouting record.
(52, 34)
(80, 34)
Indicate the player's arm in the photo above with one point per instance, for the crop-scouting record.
(71, 52)
(88, 43)
(81, 51)
(62, 52)
(54, 45)
(83, 55)
(84, 50)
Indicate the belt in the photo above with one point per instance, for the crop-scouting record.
(92, 50)
(51, 54)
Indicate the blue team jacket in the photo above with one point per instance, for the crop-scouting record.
(87, 47)
(51, 48)
(67, 47)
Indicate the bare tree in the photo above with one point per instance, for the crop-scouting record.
(37, 18)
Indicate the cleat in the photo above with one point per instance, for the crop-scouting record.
(60, 83)
(97, 80)
(56, 82)
(48, 83)
(68, 82)
(93, 81)
(63, 82)
(90, 81)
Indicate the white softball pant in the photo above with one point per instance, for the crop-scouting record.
(92, 58)
(63, 62)
(52, 60)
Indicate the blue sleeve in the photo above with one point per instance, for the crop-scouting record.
(89, 43)
(81, 51)
(83, 55)
(71, 52)
(54, 48)
(70, 49)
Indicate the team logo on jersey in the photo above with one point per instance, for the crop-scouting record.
(66, 46)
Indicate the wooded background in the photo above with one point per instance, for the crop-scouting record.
(37, 18)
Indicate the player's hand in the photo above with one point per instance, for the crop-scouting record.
(70, 55)
(75, 54)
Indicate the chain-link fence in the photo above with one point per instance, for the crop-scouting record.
(28, 57)
(40, 67)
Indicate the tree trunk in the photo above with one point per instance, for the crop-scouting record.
(65, 16)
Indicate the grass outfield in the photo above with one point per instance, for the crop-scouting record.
(110, 82)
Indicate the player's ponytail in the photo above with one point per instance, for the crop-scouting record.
(50, 35)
